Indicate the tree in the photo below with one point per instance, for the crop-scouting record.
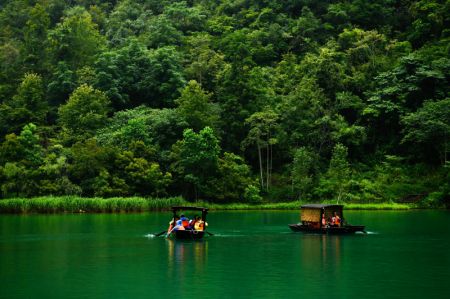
(162, 32)
(262, 133)
(186, 18)
(133, 130)
(195, 107)
(129, 18)
(233, 182)
(28, 105)
(302, 171)
(13, 179)
(339, 171)
(76, 40)
(31, 148)
(327, 67)
(133, 75)
(430, 126)
(62, 84)
(86, 161)
(158, 129)
(53, 173)
(429, 20)
(304, 31)
(10, 68)
(35, 32)
(83, 114)
(199, 154)
(205, 63)
(146, 178)
(22, 156)
(402, 90)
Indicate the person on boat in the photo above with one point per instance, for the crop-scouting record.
(324, 220)
(193, 222)
(172, 223)
(184, 221)
(178, 226)
(335, 220)
(200, 224)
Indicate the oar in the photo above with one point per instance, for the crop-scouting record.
(161, 233)
(211, 234)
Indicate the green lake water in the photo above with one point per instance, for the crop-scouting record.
(406, 254)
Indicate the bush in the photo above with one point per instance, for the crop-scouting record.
(251, 194)
(433, 200)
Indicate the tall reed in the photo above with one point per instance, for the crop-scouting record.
(74, 204)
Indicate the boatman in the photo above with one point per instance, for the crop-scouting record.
(324, 220)
(336, 220)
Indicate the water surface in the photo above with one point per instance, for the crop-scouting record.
(253, 255)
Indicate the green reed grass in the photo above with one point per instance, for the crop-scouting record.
(74, 204)
(295, 205)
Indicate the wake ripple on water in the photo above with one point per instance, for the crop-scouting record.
(237, 234)
(367, 233)
(228, 235)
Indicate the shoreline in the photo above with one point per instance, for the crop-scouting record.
(74, 204)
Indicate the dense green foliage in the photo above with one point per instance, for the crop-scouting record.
(227, 101)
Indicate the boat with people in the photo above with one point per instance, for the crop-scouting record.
(184, 228)
(324, 219)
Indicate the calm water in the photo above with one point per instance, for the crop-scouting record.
(253, 255)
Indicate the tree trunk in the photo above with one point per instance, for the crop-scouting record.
(267, 167)
(271, 163)
(445, 149)
(260, 165)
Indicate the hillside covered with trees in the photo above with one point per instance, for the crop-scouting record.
(226, 101)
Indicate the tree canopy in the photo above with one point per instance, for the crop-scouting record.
(225, 100)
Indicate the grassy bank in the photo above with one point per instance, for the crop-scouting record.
(73, 204)
(296, 204)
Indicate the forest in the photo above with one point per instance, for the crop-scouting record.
(226, 101)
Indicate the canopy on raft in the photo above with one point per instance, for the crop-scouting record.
(313, 212)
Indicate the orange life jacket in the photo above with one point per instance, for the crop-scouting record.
(200, 225)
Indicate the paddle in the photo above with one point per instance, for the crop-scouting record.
(161, 233)
(211, 234)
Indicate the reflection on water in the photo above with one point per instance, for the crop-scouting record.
(252, 255)
(183, 255)
(321, 254)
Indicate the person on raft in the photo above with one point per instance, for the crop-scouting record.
(335, 220)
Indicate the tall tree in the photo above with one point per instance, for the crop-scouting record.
(194, 105)
(83, 114)
(263, 132)
(339, 171)
(199, 154)
(28, 105)
(430, 126)
(133, 75)
(76, 40)
(303, 167)
(35, 32)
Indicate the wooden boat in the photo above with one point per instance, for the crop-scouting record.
(190, 234)
(311, 220)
